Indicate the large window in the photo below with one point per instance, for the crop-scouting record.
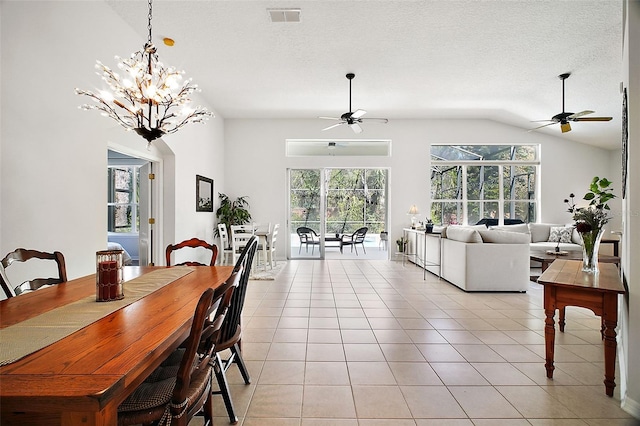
(484, 183)
(122, 202)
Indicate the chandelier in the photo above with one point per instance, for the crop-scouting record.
(146, 96)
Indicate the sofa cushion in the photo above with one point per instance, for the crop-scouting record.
(560, 233)
(540, 231)
(504, 237)
(465, 234)
(520, 228)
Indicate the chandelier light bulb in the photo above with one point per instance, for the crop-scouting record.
(151, 99)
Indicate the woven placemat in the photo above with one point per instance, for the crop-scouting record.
(22, 339)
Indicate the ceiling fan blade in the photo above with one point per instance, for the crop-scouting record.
(540, 127)
(580, 114)
(359, 113)
(330, 118)
(379, 120)
(543, 121)
(334, 125)
(356, 128)
(594, 119)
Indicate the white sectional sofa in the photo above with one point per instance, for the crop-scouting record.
(475, 258)
(541, 237)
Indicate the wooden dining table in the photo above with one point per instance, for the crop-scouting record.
(82, 378)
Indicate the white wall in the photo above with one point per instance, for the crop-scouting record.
(255, 153)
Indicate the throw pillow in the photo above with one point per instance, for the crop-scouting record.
(562, 234)
(540, 231)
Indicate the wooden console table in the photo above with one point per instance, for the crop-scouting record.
(566, 285)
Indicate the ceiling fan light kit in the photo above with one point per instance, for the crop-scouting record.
(564, 117)
(352, 119)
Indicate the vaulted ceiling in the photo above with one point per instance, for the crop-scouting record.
(496, 60)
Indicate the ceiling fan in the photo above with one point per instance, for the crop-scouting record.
(565, 117)
(352, 119)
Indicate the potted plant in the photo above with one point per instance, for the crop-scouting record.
(401, 242)
(428, 226)
(232, 212)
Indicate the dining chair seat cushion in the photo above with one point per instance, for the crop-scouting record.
(151, 395)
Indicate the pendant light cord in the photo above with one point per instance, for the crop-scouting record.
(149, 24)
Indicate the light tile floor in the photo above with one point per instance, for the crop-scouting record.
(370, 343)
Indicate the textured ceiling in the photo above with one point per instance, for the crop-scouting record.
(497, 60)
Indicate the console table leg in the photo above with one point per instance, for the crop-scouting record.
(549, 340)
(561, 319)
(610, 321)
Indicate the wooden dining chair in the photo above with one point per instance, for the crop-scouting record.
(240, 236)
(307, 237)
(231, 332)
(227, 251)
(23, 255)
(170, 396)
(192, 243)
(5, 285)
(269, 247)
(353, 239)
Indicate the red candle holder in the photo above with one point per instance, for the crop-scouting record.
(109, 275)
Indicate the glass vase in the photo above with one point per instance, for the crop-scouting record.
(109, 275)
(590, 248)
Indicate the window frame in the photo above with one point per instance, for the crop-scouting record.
(134, 204)
(463, 165)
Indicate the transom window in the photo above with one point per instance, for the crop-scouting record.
(494, 184)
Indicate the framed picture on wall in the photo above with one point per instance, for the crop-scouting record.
(204, 194)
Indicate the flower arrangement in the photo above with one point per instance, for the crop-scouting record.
(590, 220)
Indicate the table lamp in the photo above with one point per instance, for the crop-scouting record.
(413, 211)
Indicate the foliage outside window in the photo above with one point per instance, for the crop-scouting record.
(122, 199)
(354, 198)
(470, 183)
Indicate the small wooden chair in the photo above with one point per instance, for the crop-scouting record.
(192, 243)
(23, 255)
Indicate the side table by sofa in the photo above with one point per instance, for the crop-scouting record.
(566, 285)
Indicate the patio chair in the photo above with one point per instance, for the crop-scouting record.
(353, 239)
(307, 237)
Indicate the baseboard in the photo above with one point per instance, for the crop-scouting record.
(630, 406)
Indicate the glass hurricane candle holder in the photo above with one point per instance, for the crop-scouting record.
(109, 275)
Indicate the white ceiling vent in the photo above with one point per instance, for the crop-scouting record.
(284, 15)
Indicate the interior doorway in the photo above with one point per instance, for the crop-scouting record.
(131, 216)
(327, 206)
